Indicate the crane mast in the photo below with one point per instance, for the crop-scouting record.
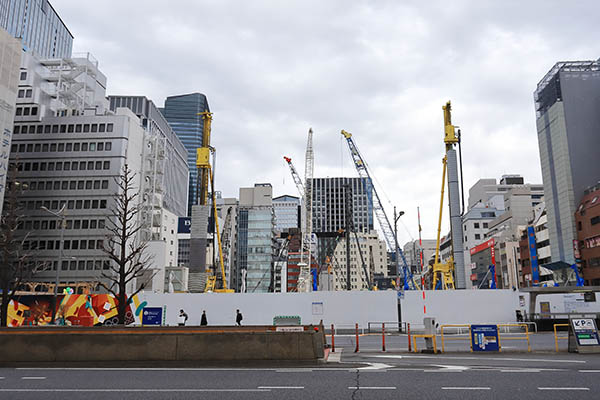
(382, 218)
(443, 273)
(304, 280)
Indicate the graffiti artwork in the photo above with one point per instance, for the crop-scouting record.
(71, 309)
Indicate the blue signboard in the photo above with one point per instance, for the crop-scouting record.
(152, 316)
(484, 338)
(535, 270)
(185, 225)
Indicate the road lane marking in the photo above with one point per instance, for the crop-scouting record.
(589, 370)
(484, 358)
(281, 387)
(563, 388)
(466, 388)
(375, 366)
(520, 370)
(134, 390)
(33, 377)
(294, 370)
(372, 387)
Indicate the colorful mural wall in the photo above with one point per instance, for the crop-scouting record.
(72, 309)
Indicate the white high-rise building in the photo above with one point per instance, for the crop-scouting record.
(70, 151)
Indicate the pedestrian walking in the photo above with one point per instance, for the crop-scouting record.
(182, 319)
(203, 320)
(238, 317)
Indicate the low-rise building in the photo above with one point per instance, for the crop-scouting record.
(587, 220)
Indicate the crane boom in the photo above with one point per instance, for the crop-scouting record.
(382, 218)
(295, 176)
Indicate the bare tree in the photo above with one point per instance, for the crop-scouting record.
(123, 244)
(15, 263)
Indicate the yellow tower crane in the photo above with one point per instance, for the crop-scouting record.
(443, 273)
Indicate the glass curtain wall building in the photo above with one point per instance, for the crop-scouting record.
(39, 27)
(181, 112)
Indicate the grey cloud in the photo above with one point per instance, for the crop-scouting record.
(379, 69)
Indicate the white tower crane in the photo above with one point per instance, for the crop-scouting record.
(304, 279)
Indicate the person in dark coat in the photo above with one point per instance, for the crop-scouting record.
(182, 319)
(203, 320)
(238, 317)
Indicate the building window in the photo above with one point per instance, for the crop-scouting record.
(595, 220)
(476, 225)
(485, 225)
(477, 236)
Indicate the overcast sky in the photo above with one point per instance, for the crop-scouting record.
(379, 69)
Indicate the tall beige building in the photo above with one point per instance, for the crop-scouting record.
(374, 255)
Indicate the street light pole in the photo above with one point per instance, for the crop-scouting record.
(62, 216)
(396, 218)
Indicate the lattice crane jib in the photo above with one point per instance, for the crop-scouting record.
(295, 176)
(380, 214)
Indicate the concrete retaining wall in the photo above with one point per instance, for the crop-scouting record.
(156, 344)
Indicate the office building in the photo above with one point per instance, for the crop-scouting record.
(374, 257)
(10, 59)
(567, 100)
(70, 151)
(542, 251)
(499, 210)
(182, 112)
(165, 156)
(256, 245)
(287, 212)
(413, 251)
(329, 204)
(38, 26)
(587, 219)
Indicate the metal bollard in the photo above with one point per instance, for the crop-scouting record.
(383, 336)
(332, 339)
(356, 350)
(408, 330)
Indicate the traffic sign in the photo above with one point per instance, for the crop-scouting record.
(583, 336)
(484, 338)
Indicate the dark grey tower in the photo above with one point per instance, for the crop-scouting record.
(567, 104)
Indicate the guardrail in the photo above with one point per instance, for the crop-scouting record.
(526, 337)
(424, 336)
(551, 315)
(376, 327)
(458, 327)
(556, 337)
(533, 324)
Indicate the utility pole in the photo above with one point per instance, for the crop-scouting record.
(396, 218)
(348, 201)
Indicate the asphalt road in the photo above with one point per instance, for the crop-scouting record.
(364, 375)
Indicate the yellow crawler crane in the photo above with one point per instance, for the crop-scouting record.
(443, 273)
